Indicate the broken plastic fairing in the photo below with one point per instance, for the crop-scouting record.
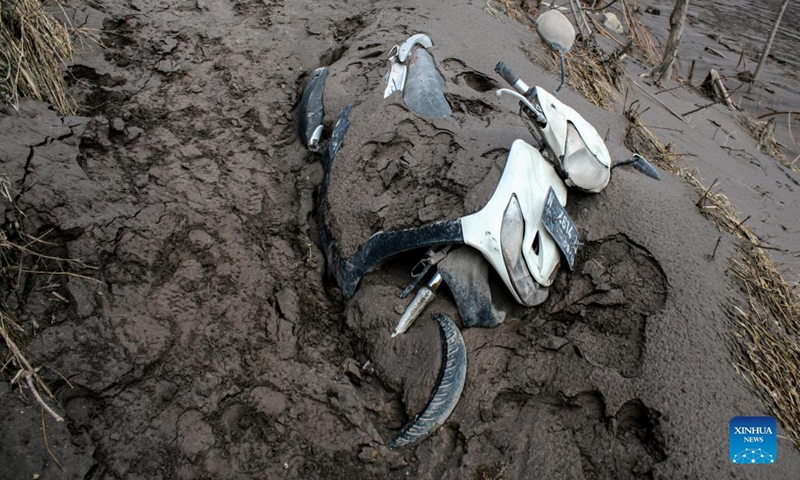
(526, 176)
(413, 73)
(573, 144)
(405, 48)
(641, 164)
(467, 275)
(452, 377)
(395, 78)
(424, 90)
(311, 109)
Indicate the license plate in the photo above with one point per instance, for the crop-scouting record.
(560, 227)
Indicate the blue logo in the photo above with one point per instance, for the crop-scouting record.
(753, 440)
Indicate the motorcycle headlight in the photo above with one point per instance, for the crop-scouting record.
(582, 167)
(512, 233)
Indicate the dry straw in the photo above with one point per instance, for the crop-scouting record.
(764, 133)
(33, 48)
(768, 336)
(17, 252)
(591, 72)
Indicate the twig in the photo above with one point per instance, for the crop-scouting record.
(741, 57)
(666, 128)
(68, 274)
(600, 8)
(680, 85)
(769, 247)
(738, 225)
(660, 103)
(701, 108)
(32, 387)
(27, 251)
(705, 194)
(714, 253)
(789, 112)
(47, 446)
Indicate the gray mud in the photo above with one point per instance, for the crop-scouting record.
(214, 346)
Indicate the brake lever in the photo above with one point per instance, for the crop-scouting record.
(538, 117)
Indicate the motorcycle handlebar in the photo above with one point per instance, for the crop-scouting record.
(525, 93)
(506, 72)
(512, 78)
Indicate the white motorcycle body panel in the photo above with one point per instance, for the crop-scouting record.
(555, 134)
(528, 176)
(405, 47)
(395, 79)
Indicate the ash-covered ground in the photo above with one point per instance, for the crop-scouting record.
(214, 346)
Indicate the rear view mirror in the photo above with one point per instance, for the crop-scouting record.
(558, 34)
(556, 31)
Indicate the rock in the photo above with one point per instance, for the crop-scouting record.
(552, 342)
(268, 401)
(134, 133)
(368, 454)
(117, 125)
(194, 434)
(169, 44)
(167, 66)
(611, 21)
(200, 239)
(289, 304)
(594, 269)
(83, 296)
(352, 371)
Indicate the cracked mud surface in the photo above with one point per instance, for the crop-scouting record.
(213, 346)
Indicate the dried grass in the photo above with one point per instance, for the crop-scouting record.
(639, 139)
(18, 252)
(517, 10)
(33, 48)
(764, 133)
(9, 329)
(591, 72)
(641, 36)
(769, 335)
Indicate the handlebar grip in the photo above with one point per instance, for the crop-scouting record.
(506, 72)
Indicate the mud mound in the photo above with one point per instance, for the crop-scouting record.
(613, 289)
(397, 169)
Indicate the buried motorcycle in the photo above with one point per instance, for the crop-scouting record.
(523, 231)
